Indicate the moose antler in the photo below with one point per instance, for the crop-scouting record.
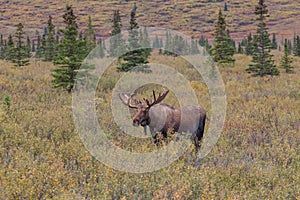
(158, 100)
(126, 99)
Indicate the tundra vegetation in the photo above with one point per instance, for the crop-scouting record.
(257, 155)
(42, 157)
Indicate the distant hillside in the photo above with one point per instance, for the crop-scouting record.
(191, 17)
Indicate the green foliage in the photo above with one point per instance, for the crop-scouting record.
(297, 46)
(145, 42)
(225, 7)
(222, 50)
(90, 35)
(256, 157)
(6, 103)
(157, 43)
(9, 52)
(136, 57)
(274, 41)
(117, 44)
(20, 52)
(49, 49)
(32, 46)
(263, 63)
(240, 49)
(286, 61)
(71, 52)
(177, 45)
(38, 53)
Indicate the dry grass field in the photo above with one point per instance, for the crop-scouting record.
(256, 157)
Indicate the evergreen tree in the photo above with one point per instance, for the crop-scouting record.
(274, 41)
(28, 47)
(286, 60)
(136, 58)
(222, 51)
(169, 44)
(294, 42)
(9, 53)
(71, 52)
(155, 44)
(21, 56)
(232, 42)
(194, 47)
(202, 41)
(240, 49)
(2, 47)
(249, 45)
(38, 53)
(90, 35)
(262, 60)
(145, 42)
(117, 45)
(161, 44)
(50, 41)
(101, 48)
(289, 47)
(32, 46)
(173, 45)
(297, 46)
(1, 41)
(178, 45)
(43, 45)
(225, 7)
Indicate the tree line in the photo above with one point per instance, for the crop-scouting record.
(67, 47)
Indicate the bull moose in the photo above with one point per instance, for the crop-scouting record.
(161, 117)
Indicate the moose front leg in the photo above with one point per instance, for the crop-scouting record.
(154, 135)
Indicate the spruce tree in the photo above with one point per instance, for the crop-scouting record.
(194, 47)
(225, 7)
(1, 41)
(297, 46)
(155, 44)
(135, 58)
(169, 46)
(222, 50)
(262, 59)
(286, 60)
(249, 45)
(90, 35)
(101, 52)
(38, 53)
(117, 45)
(28, 47)
(50, 41)
(21, 56)
(9, 53)
(145, 41)
(32, 46)
(274, 41)
(43, 45)
(71, 52)
(240, 49)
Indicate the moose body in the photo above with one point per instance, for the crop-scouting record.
(163, 117)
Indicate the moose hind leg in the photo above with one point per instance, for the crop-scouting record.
(196, 142)
(200, 132)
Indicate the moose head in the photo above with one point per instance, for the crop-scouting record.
(142, 115)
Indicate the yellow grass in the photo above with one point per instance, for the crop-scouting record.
(256, 157)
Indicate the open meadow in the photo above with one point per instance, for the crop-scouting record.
(256, 157)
